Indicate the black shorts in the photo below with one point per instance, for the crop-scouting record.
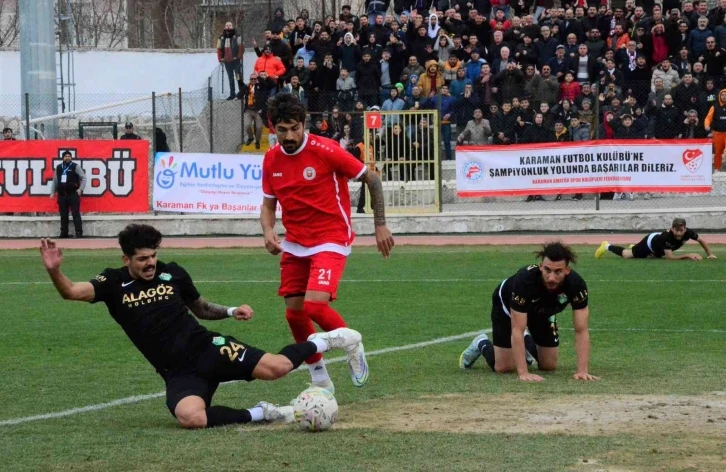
(544, 333)
(223, 360)
(641, 250)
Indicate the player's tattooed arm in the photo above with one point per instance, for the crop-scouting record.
(384, 239)
(205, 310)
(375, 186)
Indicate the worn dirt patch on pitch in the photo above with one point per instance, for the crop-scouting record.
(527, 414)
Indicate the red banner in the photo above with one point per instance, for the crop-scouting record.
(117, 175)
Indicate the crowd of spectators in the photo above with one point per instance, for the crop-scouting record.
(500, 72)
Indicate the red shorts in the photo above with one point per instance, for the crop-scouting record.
(320, 272)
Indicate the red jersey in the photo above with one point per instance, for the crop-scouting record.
(311, 186)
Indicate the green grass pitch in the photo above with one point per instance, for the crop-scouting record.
(657, 341)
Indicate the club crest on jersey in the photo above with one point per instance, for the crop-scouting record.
(218, 341)
(309, 173)
(165, 277)
(562, 298)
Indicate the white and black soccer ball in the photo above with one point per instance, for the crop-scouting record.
(315, 409)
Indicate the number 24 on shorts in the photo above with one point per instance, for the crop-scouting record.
(232, 351)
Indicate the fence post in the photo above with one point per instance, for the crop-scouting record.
(439, 164)
(181, 123)
(596, 108)
(153, 123)
(211, 115)
(27, 116)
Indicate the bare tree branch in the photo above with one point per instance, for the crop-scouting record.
(9, 22)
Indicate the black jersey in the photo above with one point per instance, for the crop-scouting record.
(526, 292)
(154, 314)
(658, 243)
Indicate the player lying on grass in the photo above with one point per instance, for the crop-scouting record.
(530, 300)
(661, 244)
(151, 301)
(308, 176)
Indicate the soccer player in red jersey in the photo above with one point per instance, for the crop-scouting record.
(308, 176)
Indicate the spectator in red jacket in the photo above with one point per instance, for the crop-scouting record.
(569, 89)
(229, 52)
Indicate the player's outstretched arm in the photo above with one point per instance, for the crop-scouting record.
(519, 324)
(582, 344)
(706, 248)
(205, 310)
(384, 238)
(52, 259)
(267, 220)
(690, 256)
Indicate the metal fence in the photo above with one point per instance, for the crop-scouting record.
(402, 149)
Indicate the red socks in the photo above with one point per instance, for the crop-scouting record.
(324, 316)
(301, 322)
(301, 327)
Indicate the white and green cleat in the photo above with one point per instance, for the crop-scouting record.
(471, 353)
(276, 413)
(325, 385)
(358, 365)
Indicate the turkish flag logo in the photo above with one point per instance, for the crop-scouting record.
(692, 159)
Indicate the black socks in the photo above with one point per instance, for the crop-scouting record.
(531, 347)
(617, 250)
(222, 415)
(297, 353)
(487, 351)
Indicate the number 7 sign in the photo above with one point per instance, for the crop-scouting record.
(373, 120)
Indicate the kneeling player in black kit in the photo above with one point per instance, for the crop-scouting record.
(660, 244)
(151, 301)
(531, 299)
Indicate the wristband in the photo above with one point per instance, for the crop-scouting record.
(230, 311)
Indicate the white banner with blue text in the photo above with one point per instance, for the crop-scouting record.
(207, 183)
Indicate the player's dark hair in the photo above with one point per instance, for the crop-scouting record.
(135, 237)
(557, 251)
(678, 222)
(285, 107)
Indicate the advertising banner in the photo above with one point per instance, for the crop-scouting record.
(208, 183)
(584, 167)
(117, 175)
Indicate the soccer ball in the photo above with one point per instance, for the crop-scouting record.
(315, 409)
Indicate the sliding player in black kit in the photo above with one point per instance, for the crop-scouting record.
(531, 299)
(660, 244)
(151, 301)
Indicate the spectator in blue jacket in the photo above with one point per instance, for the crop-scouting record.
(473, 67)
(446, 105)
(697, 39)
(456, 87)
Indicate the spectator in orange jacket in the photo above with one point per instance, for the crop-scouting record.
(619, 40)
(271, 64)
(716, 120)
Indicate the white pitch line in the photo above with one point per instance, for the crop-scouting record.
(140, 398)
(413, 281)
